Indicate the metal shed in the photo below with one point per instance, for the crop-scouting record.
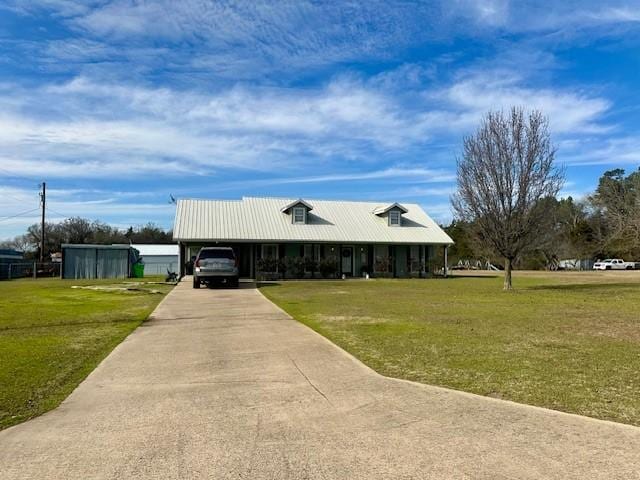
(97, 261)
(158, 258)
(7, 258)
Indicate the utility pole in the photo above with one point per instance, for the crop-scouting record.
(43, 201)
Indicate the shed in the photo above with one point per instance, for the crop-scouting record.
(97, 261)
(7, 258)
(158, 258)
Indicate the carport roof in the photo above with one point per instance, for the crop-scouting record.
(255, 219)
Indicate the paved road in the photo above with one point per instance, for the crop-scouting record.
(222, 384)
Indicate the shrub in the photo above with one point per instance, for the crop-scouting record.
(267, 264)
(328, 266)
(293, 265)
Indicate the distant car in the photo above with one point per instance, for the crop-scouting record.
(216, 265)
(614, 264)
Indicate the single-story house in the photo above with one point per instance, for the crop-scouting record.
(335, 237)
(158, 258)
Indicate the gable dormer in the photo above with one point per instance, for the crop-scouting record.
(393, 213)
(299, 211)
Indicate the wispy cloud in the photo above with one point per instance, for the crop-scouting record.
(97, 128)
(621, 151)
(568, 111)
(413, 175)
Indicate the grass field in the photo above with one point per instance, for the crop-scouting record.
(52, 336)
(567, 341)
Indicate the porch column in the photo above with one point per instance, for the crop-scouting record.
(446, 267)
(252, 261)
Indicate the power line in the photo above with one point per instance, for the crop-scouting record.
(57, 213)
(21, 214)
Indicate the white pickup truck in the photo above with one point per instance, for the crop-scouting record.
(614, 264)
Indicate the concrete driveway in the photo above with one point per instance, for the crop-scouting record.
(222, 384)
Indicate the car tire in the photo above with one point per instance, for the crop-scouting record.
(235, 283)
(196, 283)
(607, 268)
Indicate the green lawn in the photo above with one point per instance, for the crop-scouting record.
(52, 336)
(567, 341)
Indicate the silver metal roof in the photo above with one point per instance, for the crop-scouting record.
(156, 249)
(261, 219)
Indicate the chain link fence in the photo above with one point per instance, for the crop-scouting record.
(10, 271)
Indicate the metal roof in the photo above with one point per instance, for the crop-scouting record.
(95, 246)
(261, 219)
(288, 207)
(156, 249)
(12, 254)
(381, 210)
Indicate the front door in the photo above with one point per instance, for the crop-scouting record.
(347, 260)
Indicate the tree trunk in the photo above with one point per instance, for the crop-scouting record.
(507, 274)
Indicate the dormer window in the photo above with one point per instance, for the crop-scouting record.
(298, 210)
(393, 213)
(299, 215)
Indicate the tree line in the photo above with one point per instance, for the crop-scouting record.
(605, 224)
(507, 207)
(81, 231)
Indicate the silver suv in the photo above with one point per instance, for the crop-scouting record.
(215, 264)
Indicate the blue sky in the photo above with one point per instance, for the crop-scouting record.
(117, 104)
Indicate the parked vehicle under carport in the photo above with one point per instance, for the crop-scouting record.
(216, 265)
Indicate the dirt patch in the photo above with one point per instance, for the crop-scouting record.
(136, 287)
(346, 318)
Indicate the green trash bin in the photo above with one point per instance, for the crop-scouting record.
(138, 270)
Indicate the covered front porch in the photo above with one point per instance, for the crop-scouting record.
(322, 260)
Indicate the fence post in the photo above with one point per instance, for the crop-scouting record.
(9, 271)
(35, 270)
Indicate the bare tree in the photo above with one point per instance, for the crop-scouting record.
(506, 170)
(20, 243)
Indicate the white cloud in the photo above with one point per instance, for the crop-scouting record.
(286, 33)
(568, 111)
(87, 128)
(621, 151)
(412, 175)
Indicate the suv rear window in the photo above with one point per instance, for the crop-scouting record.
(215, 253)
